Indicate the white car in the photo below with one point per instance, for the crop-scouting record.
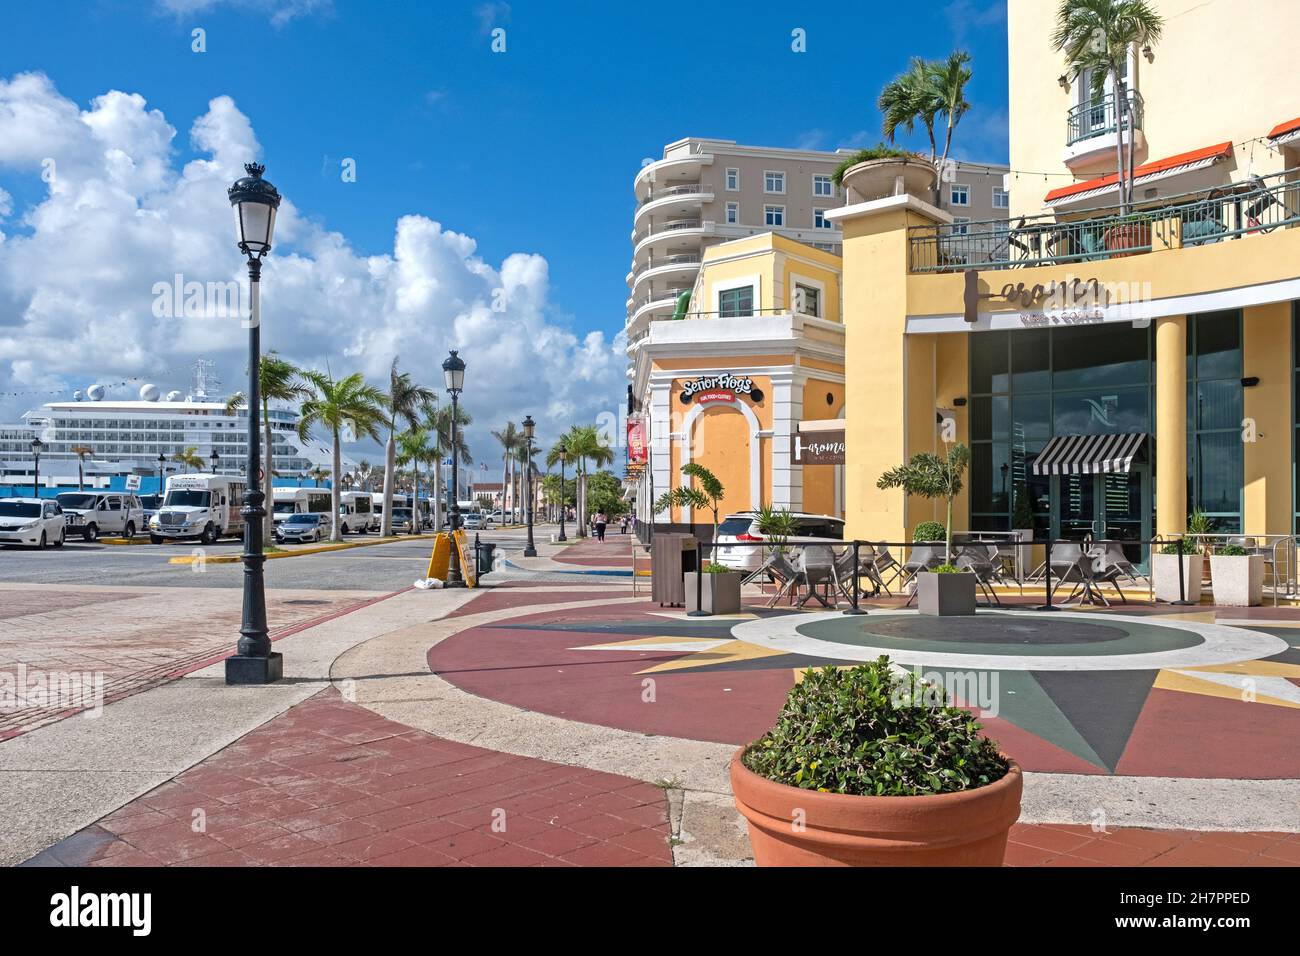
(739, 538)
(34, 522)
(476, 522)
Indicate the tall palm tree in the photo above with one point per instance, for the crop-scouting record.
(509, 437)
(349, 403)
(81, 451)
(906, 99)
(404, 402)
(278, 381)
(1097, 36)
(438, 421)
(414, 448)
(585, 445)
(948, 79)
(189, 458)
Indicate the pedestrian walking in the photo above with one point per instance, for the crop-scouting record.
(624, 529)
(601, 520)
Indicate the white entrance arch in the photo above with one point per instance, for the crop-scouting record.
(755, 433)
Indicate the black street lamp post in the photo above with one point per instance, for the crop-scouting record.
(216, 461)
(453, 373)
(162, 460)
(255, 201)
(564, 505)
(530, 428)
(37, 445)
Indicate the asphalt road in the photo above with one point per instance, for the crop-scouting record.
(381, 567)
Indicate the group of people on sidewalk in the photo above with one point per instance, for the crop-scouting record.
(600, 521)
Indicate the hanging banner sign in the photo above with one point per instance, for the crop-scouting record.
(819, 448)
(636, 442)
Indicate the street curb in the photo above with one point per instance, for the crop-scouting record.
(120, 542)
(602, 572)
(342, 546)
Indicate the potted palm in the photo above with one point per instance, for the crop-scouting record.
(869, 767)
(946, 590)
(1237, 576)
(718, 589)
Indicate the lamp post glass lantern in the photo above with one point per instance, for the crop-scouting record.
(530, 429)
(564, 506)
(453, 374)
(37, 445)
(254, 201)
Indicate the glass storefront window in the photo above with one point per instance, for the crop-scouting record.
(1126, 357)
(1101, 412)
(1031, 354)
(989, 363)
(1215, 465)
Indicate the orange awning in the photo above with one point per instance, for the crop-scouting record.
(1159, 168)
(1288, 129)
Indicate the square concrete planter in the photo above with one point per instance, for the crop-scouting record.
(719, 593)
(1164, 575)
(945, 595)
(1237, 580)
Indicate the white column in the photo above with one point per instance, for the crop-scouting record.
(787, 410)
(660, 454)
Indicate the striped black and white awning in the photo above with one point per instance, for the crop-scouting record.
(1089, 454)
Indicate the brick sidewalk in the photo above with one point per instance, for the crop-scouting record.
(330, 783)
(1062, 844)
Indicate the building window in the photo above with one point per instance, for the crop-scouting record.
(1215, 462)
(807, 300)
(773, 181)
(733, 179)
(736, 303)
(774, 215)
(959, 195)
(960, 226)
(1001, 198)
(733, 213)
(823, 186)
(820, 221)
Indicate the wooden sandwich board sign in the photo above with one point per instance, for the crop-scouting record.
(468, 566)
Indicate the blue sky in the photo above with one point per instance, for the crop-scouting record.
(530, 150)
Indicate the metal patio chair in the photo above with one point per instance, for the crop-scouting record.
(816, 565)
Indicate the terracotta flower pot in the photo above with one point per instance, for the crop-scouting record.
(1127, 239)
(967, 828)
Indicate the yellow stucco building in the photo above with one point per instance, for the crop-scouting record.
(1115, 372)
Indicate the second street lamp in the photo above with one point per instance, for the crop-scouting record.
(37, 445)
(216, 461)
(530, 428)
(254, 201)
(453, 373)
(564, 505)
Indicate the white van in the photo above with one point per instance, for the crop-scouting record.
(289, 501)
(400, 500)
(199, 506)
(357, 513)
(92, 513)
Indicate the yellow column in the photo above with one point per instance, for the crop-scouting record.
(1266, 355)
(1171, 425)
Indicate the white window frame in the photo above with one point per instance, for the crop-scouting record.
(774, 172)
(814, 285)
(736, 285)
(780, 212)
(726, 181)
(964, 222)
(825, 223)
(816, 178)
(733, 207)
(952, 201)
(1006, 196)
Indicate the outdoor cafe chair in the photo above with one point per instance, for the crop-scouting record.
(816, 565)
(922, 558)
(977, 559)
(1115, 561)
(882, 563)
(1065, 559)
(785, 573)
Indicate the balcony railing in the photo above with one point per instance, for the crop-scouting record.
(685, 189)
(667, 295)
(1255, 206)
(1097, 117)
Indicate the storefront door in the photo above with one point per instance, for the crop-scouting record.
(1111, 507)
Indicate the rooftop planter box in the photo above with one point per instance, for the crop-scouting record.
(908, 781)
(890, 176)
(1164, 575)
(1238, 579)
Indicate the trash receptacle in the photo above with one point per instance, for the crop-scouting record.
(486, 551)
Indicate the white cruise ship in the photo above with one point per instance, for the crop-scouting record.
(126, 437)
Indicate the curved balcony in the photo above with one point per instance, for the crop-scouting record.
(680, 200)
(676, 237)
(669, 170)
(656, 305)
(685, 265)
(1092, 130)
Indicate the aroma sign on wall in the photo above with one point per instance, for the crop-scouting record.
(723, 387)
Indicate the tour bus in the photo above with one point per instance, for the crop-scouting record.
(357, 512)
(202, 507)
(400, 500)
(288, 501)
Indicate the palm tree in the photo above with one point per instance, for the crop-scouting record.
(188, 458)
(404, 402)
(438, 421)
(948, 79)
(510, 438)
(1096, 37)
(277, 381)
(413, 448)
(81, 451)
(906, 99)
(349, 403)
(585, 445)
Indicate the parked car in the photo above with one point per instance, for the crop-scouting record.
(402, 521)
(302, 526)
(92, 513)
(474, 521)
(31, 521)
(742, 528)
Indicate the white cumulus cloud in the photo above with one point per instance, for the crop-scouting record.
(118, 215)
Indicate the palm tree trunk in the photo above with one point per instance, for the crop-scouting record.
(337, 462)
(268, 462)
(1128, 124)
(390, 467)
(437, 493)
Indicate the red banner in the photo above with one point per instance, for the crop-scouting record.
(636, 447)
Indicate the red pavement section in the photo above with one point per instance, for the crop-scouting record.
(614, 552)
(330, 783)
(1061, 844)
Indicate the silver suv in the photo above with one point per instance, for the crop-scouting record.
(742, 529)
